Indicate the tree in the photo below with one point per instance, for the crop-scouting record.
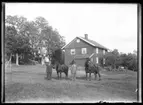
(32, 36)
(10, 40)
(116, 59)
(124, 60)
(49, 38)
(31, 31)
(19, 42)
(113, 59)
(110, 59)
(132, 61)
(58, 56)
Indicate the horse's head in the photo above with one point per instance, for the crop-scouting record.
(87, 59)
(90, 63)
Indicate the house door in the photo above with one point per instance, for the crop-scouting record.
(80, 62)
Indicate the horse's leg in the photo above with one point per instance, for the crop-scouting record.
(66, 73)
(90, 76)
(60, 75)
(86, 75)
(75, 76)
(57, 74)
(71, 76)
(95, 75)
(67, 70)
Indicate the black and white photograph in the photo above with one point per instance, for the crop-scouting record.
(71, 53)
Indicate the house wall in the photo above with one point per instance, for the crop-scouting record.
(99, 55)
(80, 45)
(80, 62)
(68, 57)
(77, 47)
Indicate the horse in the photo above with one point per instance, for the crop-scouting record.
(92, 68)
(61, 68)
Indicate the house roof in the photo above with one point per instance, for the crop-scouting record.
(90, 42)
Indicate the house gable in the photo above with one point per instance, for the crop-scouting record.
(89, 42)
(75, 44)
(66, 46)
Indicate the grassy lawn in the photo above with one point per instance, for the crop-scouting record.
(28, 84)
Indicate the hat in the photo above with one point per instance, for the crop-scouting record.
(73, 62)
(87, 58)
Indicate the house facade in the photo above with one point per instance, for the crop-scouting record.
(81, 48)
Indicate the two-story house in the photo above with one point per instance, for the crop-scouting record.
(81, 48)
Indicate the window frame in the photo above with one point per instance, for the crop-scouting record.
(83, 50)
(71, 50)
(78, 40)
(97, 60)
(103, 52)
(103, 60)
(97, 50)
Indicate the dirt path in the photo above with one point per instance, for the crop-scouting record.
(27, 84)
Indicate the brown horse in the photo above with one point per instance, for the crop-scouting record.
(61, 68)
(92, 68)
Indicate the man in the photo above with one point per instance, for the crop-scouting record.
(48, 68)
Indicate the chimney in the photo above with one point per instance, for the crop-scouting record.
(86, 36)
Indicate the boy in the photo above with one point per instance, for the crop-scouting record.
(73, 70)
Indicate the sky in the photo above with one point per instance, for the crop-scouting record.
(111, 25)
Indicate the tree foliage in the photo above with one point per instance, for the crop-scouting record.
(58, 55)
(28, 37)
(116, 59)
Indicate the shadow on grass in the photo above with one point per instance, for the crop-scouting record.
(56, 78)
(81, 78)
(77, 78)
(69, 78)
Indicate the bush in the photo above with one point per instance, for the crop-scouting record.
(108, 68)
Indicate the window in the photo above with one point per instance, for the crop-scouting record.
(103, 60)
(72, 51)
(96, 59)
(104, 52)
(97, 50)
(78, 40)
(83, 51)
